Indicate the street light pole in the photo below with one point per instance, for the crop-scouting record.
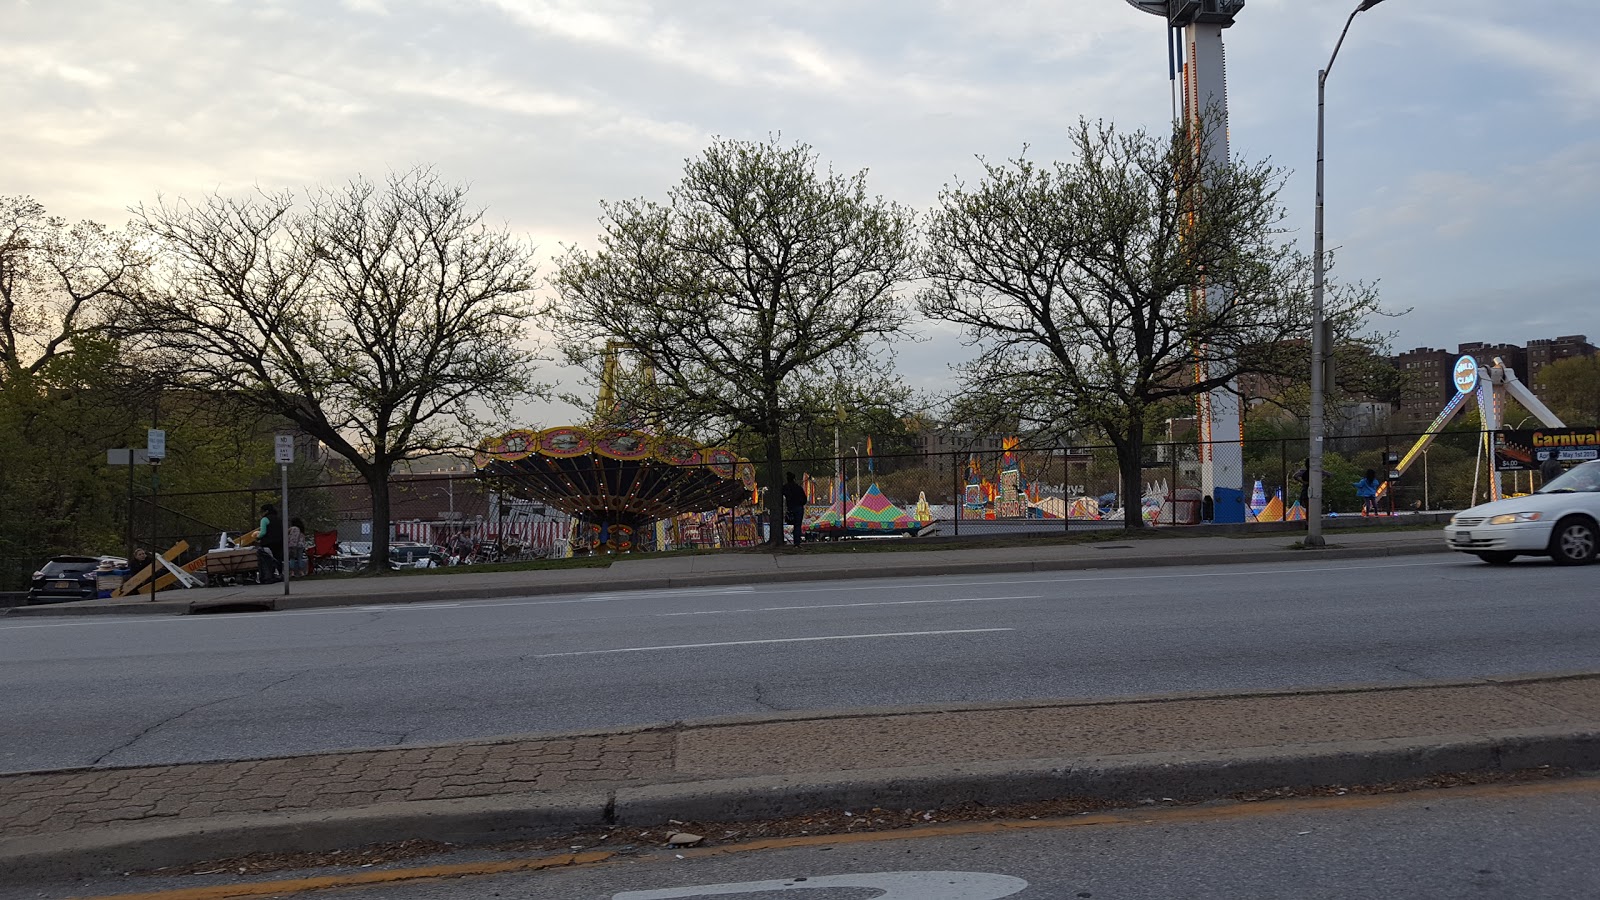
(1319, 339)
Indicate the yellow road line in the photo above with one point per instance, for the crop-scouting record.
(357, 879)
(1149, 816)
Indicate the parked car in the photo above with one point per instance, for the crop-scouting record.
(1560, 520)
(65, 578)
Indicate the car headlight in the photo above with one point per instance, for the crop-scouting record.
(1514, 518)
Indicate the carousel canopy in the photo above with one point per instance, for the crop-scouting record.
(616, 473)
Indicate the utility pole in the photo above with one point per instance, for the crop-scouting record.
(283, 450)
(156, 449)
(1320, 351)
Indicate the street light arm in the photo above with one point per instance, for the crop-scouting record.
(1340, 43)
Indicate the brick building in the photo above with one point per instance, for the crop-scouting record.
(1429, 371)
(1428, 386)
(1543, 352)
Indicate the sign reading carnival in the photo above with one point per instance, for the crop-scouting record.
(1524, 450)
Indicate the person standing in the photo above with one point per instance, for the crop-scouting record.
(297, 548)
(1367, 490)
(794, 506)
(1550, 469)
(269, 545)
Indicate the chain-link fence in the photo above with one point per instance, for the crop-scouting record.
(989, 488)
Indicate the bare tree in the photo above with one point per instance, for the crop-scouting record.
(383, 320)
(1081, 283)
(57, 284)
(755, 277)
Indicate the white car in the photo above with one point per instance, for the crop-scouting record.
(1560, 520)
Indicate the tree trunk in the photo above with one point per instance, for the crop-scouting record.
(1130, 458)
(377, 476)
(775, 486)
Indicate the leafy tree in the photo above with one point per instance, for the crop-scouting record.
(379, 319)
(742, 291)
(1571, 389)
(64, 394)
(1078, 281)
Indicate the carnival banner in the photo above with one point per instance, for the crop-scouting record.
(1525, 450)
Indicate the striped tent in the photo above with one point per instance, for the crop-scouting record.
(818, 516)
(1258, 500)
(874, 512)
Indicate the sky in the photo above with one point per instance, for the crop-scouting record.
(1463, 148)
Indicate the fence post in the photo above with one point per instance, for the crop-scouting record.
(1283, 471)
(956, 497)
(1386, 471)
(1066, 502)
(1172, 487)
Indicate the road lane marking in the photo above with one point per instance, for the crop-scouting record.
(799, 640)
(358, 879)
(720, 612)
(894, 885)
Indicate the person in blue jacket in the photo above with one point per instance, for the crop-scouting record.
(1367, 490)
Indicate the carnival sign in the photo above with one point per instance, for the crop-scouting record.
(1526, 450)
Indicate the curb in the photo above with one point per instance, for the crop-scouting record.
(717, 579)
(1186, 777)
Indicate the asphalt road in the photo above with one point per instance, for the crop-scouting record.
(1510, 841)
(109, 691)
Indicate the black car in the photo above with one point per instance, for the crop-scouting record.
(64, 578)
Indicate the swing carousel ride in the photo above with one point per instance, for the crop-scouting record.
(615, 480)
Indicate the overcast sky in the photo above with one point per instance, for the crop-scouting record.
(1463, 148)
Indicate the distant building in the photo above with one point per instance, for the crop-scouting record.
(1429, 372)
(1428, 386)
(1542, 353)
(1512, 355)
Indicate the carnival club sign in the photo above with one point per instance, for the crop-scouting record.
(1525, 450)
(1466, 374)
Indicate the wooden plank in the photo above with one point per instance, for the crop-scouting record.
(133, 584)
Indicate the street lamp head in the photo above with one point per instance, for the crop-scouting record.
(1367, 4)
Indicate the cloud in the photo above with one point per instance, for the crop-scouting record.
(1568, 67)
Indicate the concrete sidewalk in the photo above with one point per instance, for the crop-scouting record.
(1189, 747)
(1166, 548)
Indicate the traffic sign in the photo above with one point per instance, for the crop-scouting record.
(126, 457)
(155, 442)
(283, 444)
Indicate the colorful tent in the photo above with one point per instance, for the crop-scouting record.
(1273, 511)
(1296, 513)
(1258, 500)
(1084, 508)
(874, 512)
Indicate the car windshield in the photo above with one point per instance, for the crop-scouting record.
(1581, 480)
(408, 554)
(57, 568)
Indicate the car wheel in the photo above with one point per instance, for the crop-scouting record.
(1497, 557)
(1573, 542)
